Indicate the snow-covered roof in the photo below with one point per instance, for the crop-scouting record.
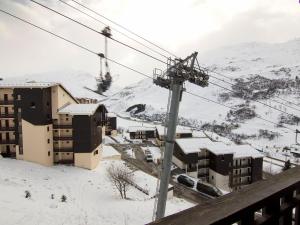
(79, 109)
(193, 145)
(16, 84)
(140, 128)
(179, 130)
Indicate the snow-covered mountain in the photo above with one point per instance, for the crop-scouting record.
(77, 82)
(259, 72)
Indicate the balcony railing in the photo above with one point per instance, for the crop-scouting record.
(7, 128)
(7, 115)
(7, 142)
(6, 102)
(274, 201)
(63, 149)
(63, 138)
(62, 126)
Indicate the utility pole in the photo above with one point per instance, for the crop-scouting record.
(177, 73)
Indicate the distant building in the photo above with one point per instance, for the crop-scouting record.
(87, 100)
(43, 123)
(180, 133)
(111, 124)
(228, 167)
(141, 132)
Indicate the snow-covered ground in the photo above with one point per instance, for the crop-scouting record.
(91, 198)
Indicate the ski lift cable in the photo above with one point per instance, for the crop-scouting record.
(123, 27)
(111, 60)
(114, 29)
(98, 32)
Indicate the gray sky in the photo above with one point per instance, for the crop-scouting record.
(179, 26)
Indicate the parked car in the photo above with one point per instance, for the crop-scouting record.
(149, 158)
(208, 189)
(182, 179)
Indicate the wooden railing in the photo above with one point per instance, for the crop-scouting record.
(275, 201)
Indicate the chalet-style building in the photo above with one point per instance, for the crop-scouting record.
(43, 123)
(228, 167)
(111, 124)
(180, 133)
(87, 100)
(141, 132)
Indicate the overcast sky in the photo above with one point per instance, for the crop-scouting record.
(181, 26)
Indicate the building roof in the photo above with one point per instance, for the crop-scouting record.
(194, 145)
(16, 84)
(79, 109)
(140, 128)
(33, 84)
(179, 130)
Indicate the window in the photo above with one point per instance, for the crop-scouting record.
(222, 158)
(48, 128)
(67, 131)
(48, 153)
(68, 153)
(48, 141)
(67, 119)
(56, 153)
(212, 177)
(96, 152)
(68, 142)
(56, 131)
(32, 105)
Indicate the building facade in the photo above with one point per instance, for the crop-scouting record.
(228, 167)
(143, 133)
(43, 123)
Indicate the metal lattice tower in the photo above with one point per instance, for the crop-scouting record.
(178, 72)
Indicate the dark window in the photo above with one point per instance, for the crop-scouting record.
(222, 158)
(48, 128)
(56, 153)
(68, 153)
(48, 141)
(6, 110)
(55, 131)
(67, 119)
(32, 105)
(212, 177)
(67, 130)
(68, 142)
(5, 97)
(48, 153)
(96, 152)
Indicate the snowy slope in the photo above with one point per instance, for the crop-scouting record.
(74, 81)
(277, 62)
(91, 198)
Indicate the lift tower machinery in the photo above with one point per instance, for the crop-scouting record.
(178, 72)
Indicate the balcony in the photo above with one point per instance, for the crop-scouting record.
(6, 102)
(63, 138)
(274, 201)
(7, 115)
(63, 149)
(241, 166)
(62, 126)
(8, 142)
(7, 128)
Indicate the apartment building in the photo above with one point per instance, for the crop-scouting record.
(228, 167)
(141, 132)
(180, 133)
(45, 124)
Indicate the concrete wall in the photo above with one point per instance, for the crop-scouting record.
(35, 143)
(59, 98)
(219, 180)
(178, 163)
(88, 160)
